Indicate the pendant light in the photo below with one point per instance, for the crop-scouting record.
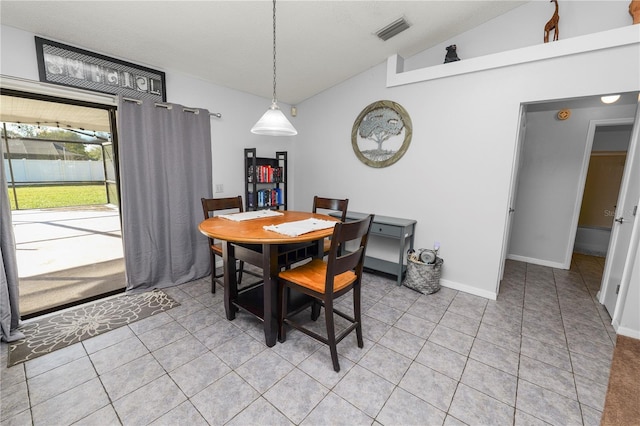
(273, 122)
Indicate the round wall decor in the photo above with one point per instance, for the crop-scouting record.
(381, 134)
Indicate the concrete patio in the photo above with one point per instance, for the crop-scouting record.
(68, 254)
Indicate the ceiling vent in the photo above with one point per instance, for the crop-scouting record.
(393, 29)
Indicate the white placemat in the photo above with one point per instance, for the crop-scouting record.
(293, 229)
(238, 217)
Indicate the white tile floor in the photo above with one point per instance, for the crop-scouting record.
(540, 354)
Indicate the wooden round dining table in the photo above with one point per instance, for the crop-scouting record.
(249, 241)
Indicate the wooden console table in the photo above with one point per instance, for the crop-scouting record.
(388, 227)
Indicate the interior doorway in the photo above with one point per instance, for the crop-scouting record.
(555, 155)
(61, 162)
(601, 189)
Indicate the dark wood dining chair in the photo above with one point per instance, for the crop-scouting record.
(326, 205)
(209, 207)
(325, 281)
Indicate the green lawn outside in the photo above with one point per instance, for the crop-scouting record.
(44, 197)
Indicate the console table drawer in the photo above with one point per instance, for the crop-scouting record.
(396, 228)
(386, 230)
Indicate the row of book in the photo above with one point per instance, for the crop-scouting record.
(267, 198)
(265, 174)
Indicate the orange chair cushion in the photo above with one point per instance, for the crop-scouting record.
(313, 274)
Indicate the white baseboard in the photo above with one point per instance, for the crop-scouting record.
(625, 331)
(468, 289)
(535, 261)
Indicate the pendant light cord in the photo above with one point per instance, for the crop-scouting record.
(273, 122)
(274, 52)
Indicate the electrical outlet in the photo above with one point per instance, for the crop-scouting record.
(219, 188)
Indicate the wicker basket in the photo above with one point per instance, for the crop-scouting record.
(423, 277)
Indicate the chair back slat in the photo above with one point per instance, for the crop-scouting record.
(348, 262)
(331, 204)
(212, 205)
(209, 207)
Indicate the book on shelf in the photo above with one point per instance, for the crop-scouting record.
(266, 198)
(265, 174)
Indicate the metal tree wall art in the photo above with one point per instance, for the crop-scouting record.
(381, 134)
(379, 125)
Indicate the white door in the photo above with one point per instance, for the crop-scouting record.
(623, 223)
(517, 158)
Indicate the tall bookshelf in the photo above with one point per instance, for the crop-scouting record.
(265, 181)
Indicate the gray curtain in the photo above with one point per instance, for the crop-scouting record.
(9, 307)
(165, 168)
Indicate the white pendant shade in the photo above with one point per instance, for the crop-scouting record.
(274, 123)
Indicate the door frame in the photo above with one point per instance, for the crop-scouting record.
(593, 124)
(513, 190)
(625, 280)
(17, 87)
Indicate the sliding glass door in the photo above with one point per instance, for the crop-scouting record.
(61, 164)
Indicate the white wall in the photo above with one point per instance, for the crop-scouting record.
(524, 26)
(549, 182)
(612, 138)
(454, 178)
(230, 134)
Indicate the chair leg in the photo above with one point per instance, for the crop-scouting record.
(213, 273)
(315, 310)
(282, 309)
(357, 314)
(331, 332)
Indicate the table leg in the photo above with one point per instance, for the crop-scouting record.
(401, 260)
(270, 275)
(315, 306)
(230, 279)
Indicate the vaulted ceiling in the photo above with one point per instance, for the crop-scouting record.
(229, 43)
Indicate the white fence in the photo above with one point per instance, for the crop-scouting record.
(54, 171)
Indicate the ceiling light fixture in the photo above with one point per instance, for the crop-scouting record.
(273, 122)
(393, 29)
(609, 99)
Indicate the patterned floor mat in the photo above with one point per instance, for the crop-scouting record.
(57, 331)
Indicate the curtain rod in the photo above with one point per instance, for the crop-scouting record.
(168, 106)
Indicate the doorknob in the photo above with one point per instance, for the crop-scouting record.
(619, 219)
(511, 210)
